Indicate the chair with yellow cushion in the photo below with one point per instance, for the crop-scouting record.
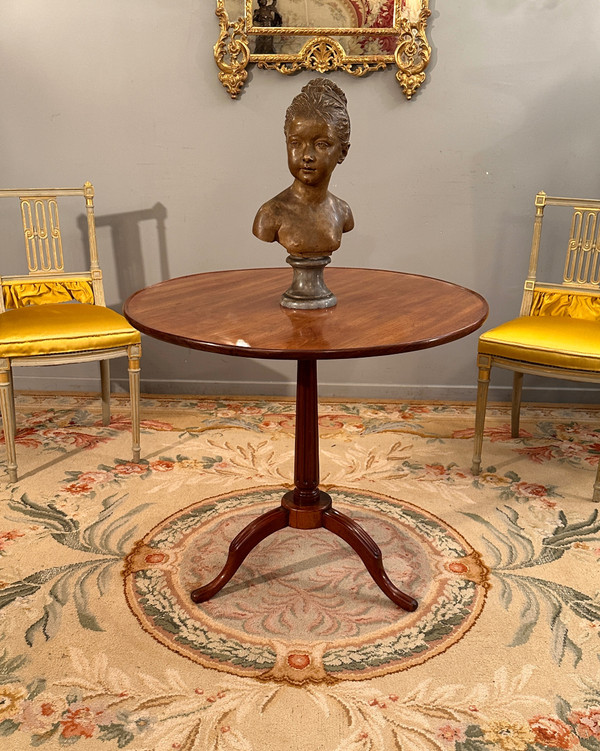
(558, 331)
(50, 316)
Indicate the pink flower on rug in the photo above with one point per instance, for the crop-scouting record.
(228, 408)
(578, 431)
(539, 454)
(279, 421)
(162, 465)
(206, 406)
(73, 438)
(26, 438)
(593, 460)
(436, 469)
(298, 661)
(221, 465)
(78, 488)
(571, 449)
(38, 715)
(130, 468)
(8, 537)
(39, 418)
(409, 413)
(78, 723)
(86, 481)
(117, 422)
(531, 489)
(464, 433)
(82, 720)
(155, 558)
(250, 409)
(587, 723)
(552, 732)
(451, 733)
(442, 472)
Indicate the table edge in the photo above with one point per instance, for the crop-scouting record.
(281, 354)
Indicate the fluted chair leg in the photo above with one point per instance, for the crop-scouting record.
(12, 400)
(483, 383)
(135, 352)
(596, 493)
(515, 413)
(105, 388)
(7, 408)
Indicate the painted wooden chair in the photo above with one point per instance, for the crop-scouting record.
(39, 327)
(558, 331)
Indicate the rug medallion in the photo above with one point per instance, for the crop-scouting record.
(302, 608)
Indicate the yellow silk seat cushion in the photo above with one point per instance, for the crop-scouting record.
(60, 328)
(555, 341)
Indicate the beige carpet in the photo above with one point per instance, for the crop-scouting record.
(102, 649)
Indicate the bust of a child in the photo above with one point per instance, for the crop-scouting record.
(306, 219)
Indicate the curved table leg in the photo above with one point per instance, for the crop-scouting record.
(241, 545)
(370, 554)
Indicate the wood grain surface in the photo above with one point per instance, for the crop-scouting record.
(238, 313)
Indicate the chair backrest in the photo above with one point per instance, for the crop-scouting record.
(578, 295)
(47, 280)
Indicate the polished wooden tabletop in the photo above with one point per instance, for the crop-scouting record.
(238, 313)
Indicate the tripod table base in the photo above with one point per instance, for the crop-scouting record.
(313, 517)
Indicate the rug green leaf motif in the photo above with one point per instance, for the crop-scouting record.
(83, 581)
(511, 550)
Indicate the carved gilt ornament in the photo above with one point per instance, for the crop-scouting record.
(355, 36)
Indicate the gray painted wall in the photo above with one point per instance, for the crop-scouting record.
(125, 93)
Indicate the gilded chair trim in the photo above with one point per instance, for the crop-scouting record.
(20, 294)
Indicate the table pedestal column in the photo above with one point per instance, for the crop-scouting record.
(306, 507)
(306, 503)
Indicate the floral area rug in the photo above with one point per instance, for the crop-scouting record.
(103, 649)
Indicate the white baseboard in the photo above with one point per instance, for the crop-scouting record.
(571, 394)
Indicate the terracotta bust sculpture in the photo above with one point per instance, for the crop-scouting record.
(306, 218)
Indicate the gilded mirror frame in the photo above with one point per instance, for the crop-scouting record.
(323, 51)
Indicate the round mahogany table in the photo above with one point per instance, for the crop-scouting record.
(238, 313)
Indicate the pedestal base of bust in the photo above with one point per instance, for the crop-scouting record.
(308, 290)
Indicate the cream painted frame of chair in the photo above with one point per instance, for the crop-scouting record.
(551, 315)
(37, 328)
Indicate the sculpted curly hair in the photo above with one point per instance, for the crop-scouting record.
(324, 99)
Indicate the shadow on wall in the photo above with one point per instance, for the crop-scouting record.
(127, 245)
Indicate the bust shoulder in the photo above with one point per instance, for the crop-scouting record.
(270, 216)
(344, 212)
